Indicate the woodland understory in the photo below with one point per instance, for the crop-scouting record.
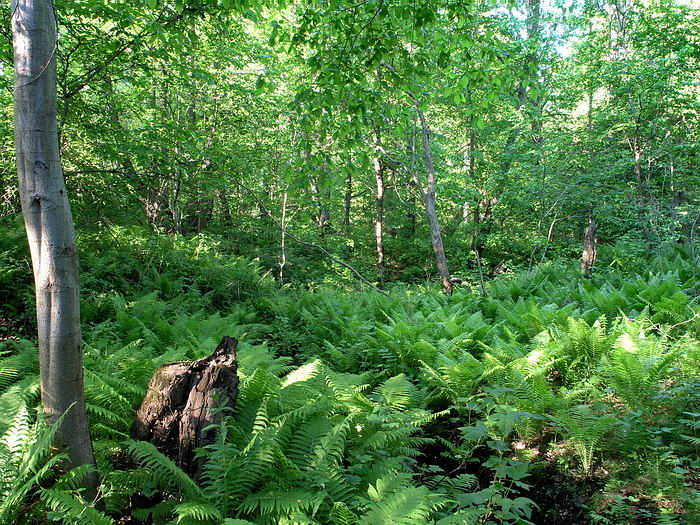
(456, 243)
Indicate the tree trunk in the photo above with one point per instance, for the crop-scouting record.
(156, 202)
(590, 247)
(379, 209)
(175, 214)
(283, 252)
(323, 213)
(348, 202)
(429, 198)
(641, 192)
(50, 229)
(184, 400)
(477, 219)
(412, 216)
(532, 41)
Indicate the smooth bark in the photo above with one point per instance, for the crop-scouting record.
(348, 202)
(379, 208)
(430, 208)
(50, 229)
(283, 252)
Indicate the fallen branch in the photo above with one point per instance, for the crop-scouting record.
(697, 314)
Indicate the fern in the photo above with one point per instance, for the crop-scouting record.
(635, 368)
(691, 426)
(71, 509)
(578, 350)
(585, 430)
(25, 451)
(165, 473)
(392, 499)
(194, 512)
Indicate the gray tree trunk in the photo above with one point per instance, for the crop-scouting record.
(348, 202)
(429, 198)
(323, 213)
(590, 247)
(532, 41)
(379, 209)
(49, 224)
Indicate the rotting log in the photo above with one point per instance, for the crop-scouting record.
(184, 400)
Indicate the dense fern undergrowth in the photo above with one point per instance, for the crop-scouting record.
(552, 399)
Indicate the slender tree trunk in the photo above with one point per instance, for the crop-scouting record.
(533, 10)
(325, 211)
(323, 215)
(429, 198)
(641, 192)
(590, 247)
(379, 208)
(174, 206)
(283, 253)
(348, 202)
(477, 219)
(226, 217)
(638, 170)
(50, 230)
(412, 216)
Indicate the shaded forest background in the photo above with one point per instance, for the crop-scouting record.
(192, 119)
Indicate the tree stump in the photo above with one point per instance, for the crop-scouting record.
(183, 399)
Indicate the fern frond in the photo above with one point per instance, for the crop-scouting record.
(166, 473)
(394, 500)
(72, 509)
(283, 503)
(190, 510)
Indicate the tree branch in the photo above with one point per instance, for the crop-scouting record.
(309, 244)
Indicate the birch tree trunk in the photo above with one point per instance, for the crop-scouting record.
(379, 209)
(49, 224)
(283, 252)
(429, 198)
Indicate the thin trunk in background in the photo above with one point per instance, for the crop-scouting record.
(429, 199)
(283, 229)
(323, 214)
(590, 247)
(477, 219)
(412, 218)
(348, 202)
(379, 207)
(533, 28)
(50, 230)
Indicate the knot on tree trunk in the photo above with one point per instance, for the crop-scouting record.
(184, 400)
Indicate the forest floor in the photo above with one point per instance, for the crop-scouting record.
(552, 399)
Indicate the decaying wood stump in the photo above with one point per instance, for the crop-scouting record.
(183, 399)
